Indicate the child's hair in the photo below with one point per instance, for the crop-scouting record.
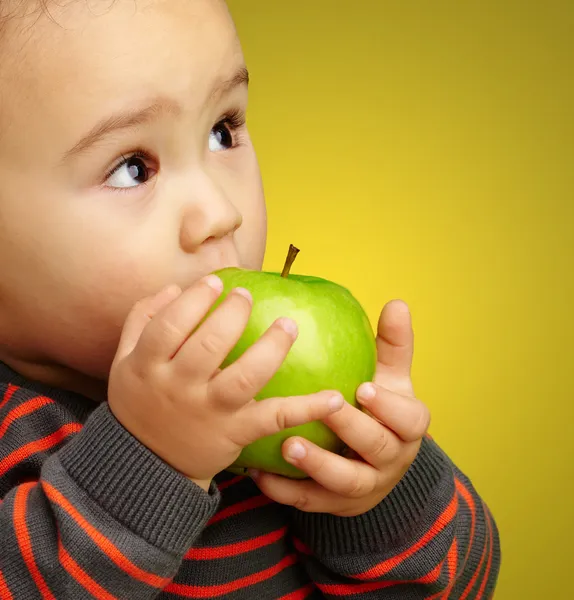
(14, 9)
(9, 10)
(2, 17)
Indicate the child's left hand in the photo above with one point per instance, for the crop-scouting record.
(383, 441)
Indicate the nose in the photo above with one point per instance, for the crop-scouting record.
(207, 214)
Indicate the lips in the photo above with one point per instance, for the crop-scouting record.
(217, 254)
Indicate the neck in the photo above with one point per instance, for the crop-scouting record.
(60, 377)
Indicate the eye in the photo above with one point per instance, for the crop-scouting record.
(221, 137)
(227, 133)
(130, 172)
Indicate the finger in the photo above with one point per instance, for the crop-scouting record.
(139, 317)
(203, 352)
(245, 377)
(168, 330)
(408, 417)
(395, 338)
(340, 475)
(266, 417)
(304, 495)
(370, 439)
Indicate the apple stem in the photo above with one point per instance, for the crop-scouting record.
(290, 259)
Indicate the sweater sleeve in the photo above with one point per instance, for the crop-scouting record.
(100, 517)
(432, 537)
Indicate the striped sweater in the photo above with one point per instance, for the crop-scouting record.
(86, 511)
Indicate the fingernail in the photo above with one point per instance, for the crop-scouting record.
(366, 391)
(214, 282)
(253, 473)
(296, 451)
(243, 292)
(288, 325)
(336, 402)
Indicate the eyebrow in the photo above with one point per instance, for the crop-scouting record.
(136, 118)
(240, 78)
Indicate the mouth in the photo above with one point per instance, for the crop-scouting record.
(216, 255)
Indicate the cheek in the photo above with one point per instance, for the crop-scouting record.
(80, 295)
(252, 235)
(87, 317)
(72, 268)
(123, 275)
(123, 258)
(114, 288)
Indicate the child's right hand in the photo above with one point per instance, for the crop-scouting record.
(167, 389)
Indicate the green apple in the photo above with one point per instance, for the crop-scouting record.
(335, 350)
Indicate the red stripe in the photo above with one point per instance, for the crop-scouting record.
(24, 542)
(4, 591)
(391, 563)
(103, 543)
(349, 589)
(301, 547)
(300, 594)
(453, 552)
(23, 410)
(10, 390)
(490, 550)
(211, 591)
(467, 497)
(230, 482)
(451, 560)
(472, 582)
(83, 579)
(24, 452)
(228, 550)
(235, 509)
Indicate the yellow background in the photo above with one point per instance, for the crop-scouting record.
(425, 150)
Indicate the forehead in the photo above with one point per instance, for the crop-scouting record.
(27, 15)
(108, 28)
(100, 53)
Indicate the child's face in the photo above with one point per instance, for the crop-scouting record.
(124, 166)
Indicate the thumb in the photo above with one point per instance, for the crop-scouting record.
(141, 314)
(395, 339)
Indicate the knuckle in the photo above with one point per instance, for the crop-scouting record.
(301, 502)
(210, 343)
(244, 382)
(356, 487)
(164, 328)
(133, 368)
(380, 445)
(281, 418)
(161, 378)
(396, 454)
(291, 413)
(407, 458)
(243, 435)
(153, 376)
(421, 421)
